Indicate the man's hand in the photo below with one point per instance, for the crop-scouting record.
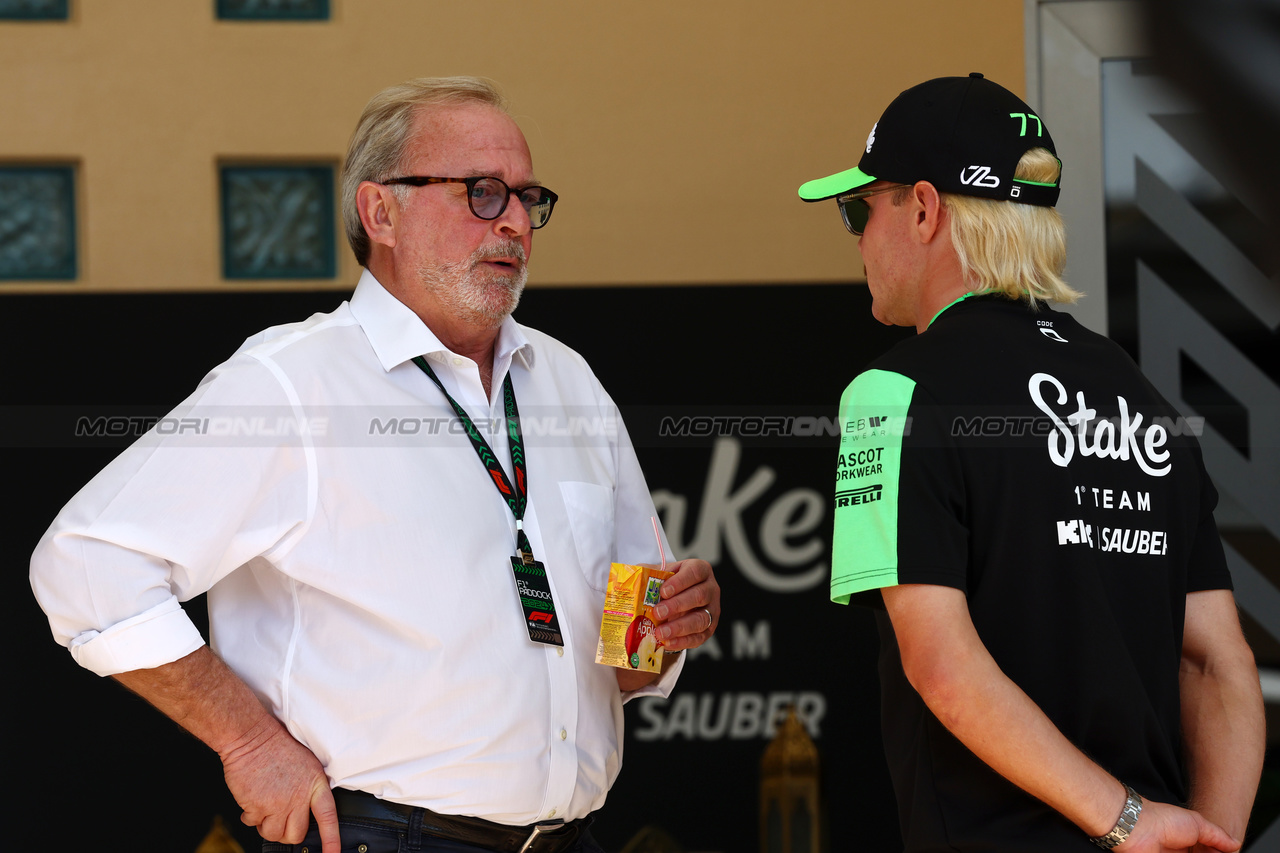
(279, 783)
(1223, 721)
(687, 615)
(948, 665)
(276, 780)
(690, 608)
(1162, 827)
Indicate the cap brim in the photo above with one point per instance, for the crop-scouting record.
(834, 185)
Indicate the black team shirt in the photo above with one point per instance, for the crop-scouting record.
(1015, 455)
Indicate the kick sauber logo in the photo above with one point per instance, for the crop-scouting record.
(1075, 532)
(1123, 540)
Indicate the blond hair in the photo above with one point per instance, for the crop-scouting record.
(381, 136)
(1019, 250)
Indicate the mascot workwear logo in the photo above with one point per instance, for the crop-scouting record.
(978, 176)
(871, 137)
(1122, 437)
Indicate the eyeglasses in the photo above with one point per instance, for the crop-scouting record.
(855, 211)
(488, 197)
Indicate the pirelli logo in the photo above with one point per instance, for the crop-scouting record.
(865, 495)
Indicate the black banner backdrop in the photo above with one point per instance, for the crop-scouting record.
(729, 393)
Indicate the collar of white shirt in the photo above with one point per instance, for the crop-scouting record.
(397, 334)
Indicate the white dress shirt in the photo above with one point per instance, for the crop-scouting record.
(357, 558)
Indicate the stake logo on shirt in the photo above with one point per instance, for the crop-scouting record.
(1114, 438)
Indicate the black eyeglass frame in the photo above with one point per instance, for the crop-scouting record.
(425, 180)
(846, 201)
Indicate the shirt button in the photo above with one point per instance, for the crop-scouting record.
(551, 813)
(457, 362)
(563, 734)
(559, 651)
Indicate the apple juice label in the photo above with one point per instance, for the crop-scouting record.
(627, 637)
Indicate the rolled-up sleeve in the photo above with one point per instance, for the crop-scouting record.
(174, 513)
(145, 641)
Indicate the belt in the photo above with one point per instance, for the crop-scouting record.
(550, 836)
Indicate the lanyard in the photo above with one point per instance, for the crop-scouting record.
(517, 497)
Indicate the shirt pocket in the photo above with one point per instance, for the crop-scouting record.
(589, 507)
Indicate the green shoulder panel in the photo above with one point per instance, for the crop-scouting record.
(873, 420)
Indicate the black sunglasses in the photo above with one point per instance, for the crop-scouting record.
(488, 197)
(855, 211)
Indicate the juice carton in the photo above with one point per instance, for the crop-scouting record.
(626, 628)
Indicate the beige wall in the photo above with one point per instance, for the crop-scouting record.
(676, 133)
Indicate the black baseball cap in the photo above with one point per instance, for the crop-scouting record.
(964, 135)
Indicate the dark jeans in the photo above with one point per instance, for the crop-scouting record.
(359, 837)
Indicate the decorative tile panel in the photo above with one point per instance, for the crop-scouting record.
(278, 222)
(37, 222)
(33, 10)
(273, 10)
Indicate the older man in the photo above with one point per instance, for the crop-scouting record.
(406, 616)
(1061, 656)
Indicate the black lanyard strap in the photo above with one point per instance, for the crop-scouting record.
(517, 496)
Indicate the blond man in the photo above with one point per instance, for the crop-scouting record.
(1061, 657)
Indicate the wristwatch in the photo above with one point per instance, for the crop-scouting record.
(1128, 819)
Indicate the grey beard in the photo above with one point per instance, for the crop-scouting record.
(479, 297)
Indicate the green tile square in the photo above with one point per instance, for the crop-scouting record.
(33, 10)
(37, 223)
(278, 221)
(273, 10)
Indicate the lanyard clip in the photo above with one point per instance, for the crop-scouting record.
(526, 557)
